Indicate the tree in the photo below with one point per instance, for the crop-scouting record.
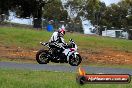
(33, 8)
(85, 9)
(74, 8)
(55, 11)
(116, 15)
(5, 6)
(26, 8)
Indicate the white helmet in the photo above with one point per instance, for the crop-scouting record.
(61, 32)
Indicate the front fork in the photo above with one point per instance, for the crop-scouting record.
(74, 53)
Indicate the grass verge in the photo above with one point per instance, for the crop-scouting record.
(10, 78)
(30, 39)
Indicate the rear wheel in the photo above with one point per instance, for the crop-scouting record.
(75, 61)
(41, 57)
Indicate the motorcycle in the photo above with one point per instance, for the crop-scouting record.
(68, 55)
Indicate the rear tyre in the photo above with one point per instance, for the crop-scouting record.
(41, 57)
(75, 61)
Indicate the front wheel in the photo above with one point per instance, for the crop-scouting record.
(75, 61)
(41, 57)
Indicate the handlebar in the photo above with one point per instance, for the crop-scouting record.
(41, 43)
(45, 44)
(65, 45)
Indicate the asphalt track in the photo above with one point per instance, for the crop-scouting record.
(64, 68)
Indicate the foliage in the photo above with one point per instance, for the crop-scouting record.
(54, 11)
(117, 15)
(25, 8)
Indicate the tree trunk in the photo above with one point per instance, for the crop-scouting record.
(130, 34)
(2, 18)
(37, 23)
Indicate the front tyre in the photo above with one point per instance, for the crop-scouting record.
(41, 57)
(75, 61)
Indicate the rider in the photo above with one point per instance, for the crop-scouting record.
(57, 41)
(57, 37)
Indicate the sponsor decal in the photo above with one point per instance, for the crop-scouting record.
(83, 78)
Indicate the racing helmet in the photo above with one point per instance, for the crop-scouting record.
(61, 32)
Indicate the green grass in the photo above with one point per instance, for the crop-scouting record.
(27, 38)
(22, 37)
(102, 42)
(10, 78)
